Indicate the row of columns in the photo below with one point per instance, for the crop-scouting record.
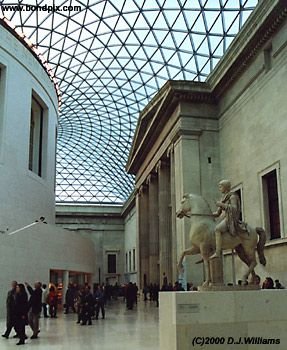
(154, 226)
(161, 236)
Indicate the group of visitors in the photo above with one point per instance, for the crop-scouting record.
(23, 308)
(89, 304)
(49, 301)
(269, 283)
(24, 305)
(151, 291)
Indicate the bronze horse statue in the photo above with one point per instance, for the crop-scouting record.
(202, 237)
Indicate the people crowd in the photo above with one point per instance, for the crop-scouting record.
(22, 309)
(24, 303)
(269, 283)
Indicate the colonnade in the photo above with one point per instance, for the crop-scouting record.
(154, 225)
(161, 236)
(175, 151)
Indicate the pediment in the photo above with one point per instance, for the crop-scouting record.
(154, 116)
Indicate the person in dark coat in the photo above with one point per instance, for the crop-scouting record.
(70, 299)
(156, 294)
(80, 300)
(130, 296)
(20, 312)
(35, 307)
(87, 307)
(10, 306)
(99, 299)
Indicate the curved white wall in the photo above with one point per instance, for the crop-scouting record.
(30, 254)
(24, 195)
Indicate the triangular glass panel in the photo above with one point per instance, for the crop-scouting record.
(229, 18)
(110, 10)
(199, 25)
(180, 23)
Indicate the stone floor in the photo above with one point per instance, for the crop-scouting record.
(122, 329)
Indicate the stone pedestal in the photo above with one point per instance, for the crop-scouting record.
(223, 320)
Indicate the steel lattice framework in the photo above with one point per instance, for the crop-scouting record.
(110, 57)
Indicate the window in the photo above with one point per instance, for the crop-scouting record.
(130, 261)
(239, 194)
(271, 204)
(112, 263)
(134, 259)
(36, 138)
(127, 269)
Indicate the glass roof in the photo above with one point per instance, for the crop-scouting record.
(110, 57)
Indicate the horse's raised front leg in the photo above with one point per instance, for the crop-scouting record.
(191, 251)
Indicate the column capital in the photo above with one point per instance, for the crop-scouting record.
(170, 150)
(150, 178)
(186, 133)
(140, 190)
(161, 164)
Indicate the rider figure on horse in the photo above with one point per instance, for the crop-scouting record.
(229, 216)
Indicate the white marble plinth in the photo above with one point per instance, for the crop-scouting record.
(255, 319)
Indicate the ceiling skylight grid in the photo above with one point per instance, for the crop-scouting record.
(110, 57)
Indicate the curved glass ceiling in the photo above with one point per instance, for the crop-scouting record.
(110, 57)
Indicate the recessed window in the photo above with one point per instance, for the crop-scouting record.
(36, 137)
(134, 259)
(271, 204)
(239, 194)
(112, 263)
(130, 261)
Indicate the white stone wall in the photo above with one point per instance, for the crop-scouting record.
(30, 254)
(253, 128)
(25, 196)
(104, 227)
(252, 134)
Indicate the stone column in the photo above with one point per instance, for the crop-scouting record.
(164, 205)
(142, 235)
(65, 285)
(153, 228)
(187, 173)
(174, 256)
(81, 279)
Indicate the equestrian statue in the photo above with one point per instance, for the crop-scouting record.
(209, 237)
